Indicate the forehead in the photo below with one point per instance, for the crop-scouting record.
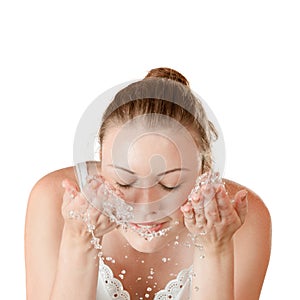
(130, 146)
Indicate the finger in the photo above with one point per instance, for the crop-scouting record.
(69, 185)
(74, 203)
(113, 189)
(201, 219)
(226, 210)
(188, 214)
(95, 181)
(69, 193)
(241, 204)
(211, 210)
(105, 188)
(104, 222)
(197, 201)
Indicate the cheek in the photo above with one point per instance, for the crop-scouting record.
(177, 215)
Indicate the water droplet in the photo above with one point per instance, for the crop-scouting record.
(142, 261)
(147, 295)
(123, 272)
(149, 289)
(91, 227)
(121, 276)
(164, 259)
(108, 258)
(188, 245)
(139, 278)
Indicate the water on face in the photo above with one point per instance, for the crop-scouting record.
(121, 213)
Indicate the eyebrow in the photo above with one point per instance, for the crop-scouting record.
(160, 174)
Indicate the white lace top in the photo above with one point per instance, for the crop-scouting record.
(110, 288)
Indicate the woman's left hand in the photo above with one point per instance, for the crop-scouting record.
(212, 217)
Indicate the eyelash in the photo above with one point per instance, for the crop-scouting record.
(166, 188)
(124, 186)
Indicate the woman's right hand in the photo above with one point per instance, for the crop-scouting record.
(81, 218)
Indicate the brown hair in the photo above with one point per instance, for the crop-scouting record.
(163, 91)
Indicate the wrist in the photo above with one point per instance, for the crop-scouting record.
(221, 248)
(79, 243)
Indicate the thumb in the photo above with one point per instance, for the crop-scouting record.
(241, 204)
(69, 185)
(70, 191)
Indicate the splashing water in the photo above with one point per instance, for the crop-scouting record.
(100, 195)
(149, 235)
(205, 181)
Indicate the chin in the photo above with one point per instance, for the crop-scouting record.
(149, 247)
(144, 246)
(154, 243)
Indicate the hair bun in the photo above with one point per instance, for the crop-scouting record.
(169, 74)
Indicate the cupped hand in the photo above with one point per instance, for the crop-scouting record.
(82, 218)
(212, 217)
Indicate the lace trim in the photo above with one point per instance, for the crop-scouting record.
(174, 287)
(115, 288)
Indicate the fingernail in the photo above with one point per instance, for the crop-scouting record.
(195, 197)
(221, 190)
(244, 195)
(185, 208)
(182, 208)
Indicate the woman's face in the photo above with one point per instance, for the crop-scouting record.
(153, 168)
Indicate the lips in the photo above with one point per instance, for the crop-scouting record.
(150, 227)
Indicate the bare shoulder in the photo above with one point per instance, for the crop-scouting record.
(258, 220)
(252, 243)
(49, 187)
(52, 181)
(257, 210)
(43, 229)
(45, 199)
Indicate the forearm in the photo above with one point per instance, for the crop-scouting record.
(77, 269)
(214, 275)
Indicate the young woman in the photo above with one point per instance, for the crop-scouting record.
(205, 241)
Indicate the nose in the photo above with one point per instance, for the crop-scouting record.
(146, 206)
(144, 195)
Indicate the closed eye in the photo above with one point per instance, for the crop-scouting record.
(169, 188)
(164, 187)
(124, 186)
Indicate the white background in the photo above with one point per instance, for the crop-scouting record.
(242, 57)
